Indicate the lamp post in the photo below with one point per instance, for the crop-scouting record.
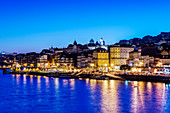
(112, 65)
(106, 68)
(92, 65)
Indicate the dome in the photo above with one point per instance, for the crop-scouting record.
(91, 41)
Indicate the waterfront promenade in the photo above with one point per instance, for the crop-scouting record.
(97, 75)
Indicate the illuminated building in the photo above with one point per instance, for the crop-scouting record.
(164, 60)
(43, 61)
(119, 55)
(84, 59)
(101, 59)
(65, 60)
(135, 54)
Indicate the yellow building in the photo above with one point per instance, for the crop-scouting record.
(115, 56)
(119, 55)
(101, 59)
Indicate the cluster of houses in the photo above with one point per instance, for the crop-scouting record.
(148, 53)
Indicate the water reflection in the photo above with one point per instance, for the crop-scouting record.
(109, 97)
(17, 78)
(87, 81)
(72, 84)
(135, 98)
(31, 79)
(86, 95)
(24, 79)
(56, 83)
(39, 84)
(47, 82)
(65, 82)
(92, 86)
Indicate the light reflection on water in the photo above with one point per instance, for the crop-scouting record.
(72, 84)
(109, 105)
(43, 94)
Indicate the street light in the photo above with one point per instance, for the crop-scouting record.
(141, 63)
(92, 65)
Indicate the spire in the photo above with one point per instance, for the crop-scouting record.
(75, 43)
(102, 41)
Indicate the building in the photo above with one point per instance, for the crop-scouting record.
(119, 55)
(142, 61)
(84, 59)
(102, 42)
(135, 54)
(65, 61)
(20, 60)
(101, 59)
(58, 50)
(43, 61)
(6, 60)
(31, 59)
(47, 52)
(91, 45)
(165, 60)
(75, 48)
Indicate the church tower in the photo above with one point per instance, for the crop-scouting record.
(102, 42)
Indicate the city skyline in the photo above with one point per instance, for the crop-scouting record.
(85, 56)
(41, 24)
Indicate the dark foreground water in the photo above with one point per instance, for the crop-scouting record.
(31, 94)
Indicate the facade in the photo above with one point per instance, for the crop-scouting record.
(31, 59)
(26, 60)
(64, 61)
(165, 60)
(43, 61)
(58, 50)
(19, 60)
(101, 59)
(84, 59)
(119, 55)
(142, 61)
(6, 60)
(135, 54)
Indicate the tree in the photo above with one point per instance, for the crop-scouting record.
(125, 67)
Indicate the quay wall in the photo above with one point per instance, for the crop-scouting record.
(150, 78)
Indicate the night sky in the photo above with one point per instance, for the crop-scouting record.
(32, 25)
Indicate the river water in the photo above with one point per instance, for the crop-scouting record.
(36, 94)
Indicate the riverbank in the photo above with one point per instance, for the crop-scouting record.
(97, 76)
(148, 78)
(74, 75)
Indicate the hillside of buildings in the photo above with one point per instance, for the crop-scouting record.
(149, 51)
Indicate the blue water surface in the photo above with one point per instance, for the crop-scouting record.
(37, 94)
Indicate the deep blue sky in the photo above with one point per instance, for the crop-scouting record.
(31, 25)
